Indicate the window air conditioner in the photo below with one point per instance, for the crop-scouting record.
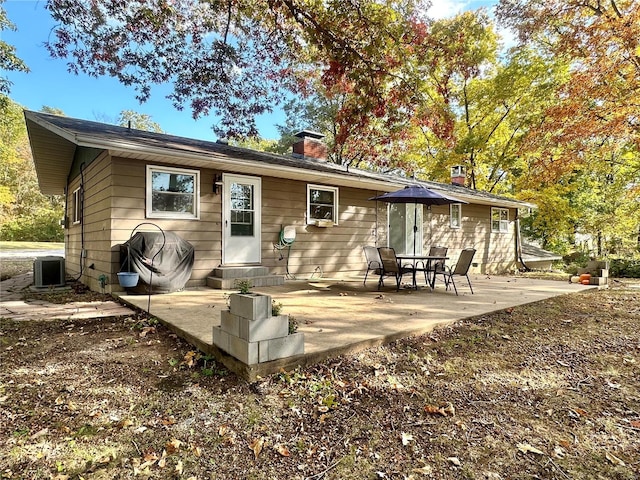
(48, 272)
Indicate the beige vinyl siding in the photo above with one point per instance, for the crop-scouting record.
(115, 204)
(96, 222)
(317, 251)
(495, 252)
(128, 211)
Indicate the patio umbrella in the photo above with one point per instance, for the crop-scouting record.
(417, 194)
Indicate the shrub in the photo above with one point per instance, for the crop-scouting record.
(624, 267)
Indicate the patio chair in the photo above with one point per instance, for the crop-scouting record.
(461, 269)
(391, 267)
(373, 261)
(435, 266)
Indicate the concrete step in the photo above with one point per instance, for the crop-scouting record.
(257, 281)
(240, 272)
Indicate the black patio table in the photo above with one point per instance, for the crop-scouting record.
(426, 263)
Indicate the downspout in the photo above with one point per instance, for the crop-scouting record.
(519, 245)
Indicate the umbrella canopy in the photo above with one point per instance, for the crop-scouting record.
(417, 194)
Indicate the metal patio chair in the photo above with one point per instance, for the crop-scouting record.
(391, 267)
(374, 262)
(435, 266)
(461, 269)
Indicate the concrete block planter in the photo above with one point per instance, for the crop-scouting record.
(251, 334)
(250, 305)
(254, 330)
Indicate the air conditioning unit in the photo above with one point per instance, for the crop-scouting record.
(48, 272)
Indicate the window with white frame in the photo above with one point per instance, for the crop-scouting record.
(322, 204)
(172, 192)
(455, 215)
(499, 219)
(76, 207)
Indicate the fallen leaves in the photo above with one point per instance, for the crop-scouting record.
(173, 445)
(527, 448)
(447, 410)
(613, 459)
(256, 446)
(282, 450)
(407, 438)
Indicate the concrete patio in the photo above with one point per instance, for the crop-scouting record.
(341, 316)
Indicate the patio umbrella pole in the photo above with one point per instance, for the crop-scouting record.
(415, 226)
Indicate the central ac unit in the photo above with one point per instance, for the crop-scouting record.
(48, 272)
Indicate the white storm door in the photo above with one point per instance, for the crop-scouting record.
(241, 219)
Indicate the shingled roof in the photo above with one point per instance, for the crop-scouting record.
(55, 139)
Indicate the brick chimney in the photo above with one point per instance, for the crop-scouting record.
(310, 145)
(458, 175)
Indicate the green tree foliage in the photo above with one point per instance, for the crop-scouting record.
(9, 60)
(588, 138)
(25, 214)
(139, 121)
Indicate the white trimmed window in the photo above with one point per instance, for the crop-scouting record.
(76, 206)
(499, 219)
(455, 215)
(322, 204)
(172, 192)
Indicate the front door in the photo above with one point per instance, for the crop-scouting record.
(241, 219)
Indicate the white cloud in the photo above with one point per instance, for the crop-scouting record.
(446, 8)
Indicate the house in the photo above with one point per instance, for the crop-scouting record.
(232, 203)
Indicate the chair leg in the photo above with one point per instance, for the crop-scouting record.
(380, 283)
(365, 278)
(454, 284)
(470, 287)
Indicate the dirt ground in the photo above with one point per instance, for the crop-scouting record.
(545, 391)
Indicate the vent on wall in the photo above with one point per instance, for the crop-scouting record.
(48, 272)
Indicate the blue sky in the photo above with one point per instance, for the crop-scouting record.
(102, 99)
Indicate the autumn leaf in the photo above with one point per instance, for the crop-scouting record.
(526, 448)
(613, 459)
(257, 445)
(559, 452)
(41, 433)
(179, 467)
(223, 430)
(454, 461)
(407, 438)
(635, 423)
(448, 409)
(150, 456)
(147, 330)
(190, 358)
(444, 410)
(282, 450)
(431, 409)
(124, 423)
(163, 459)
(173, 445)
(426, 470)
